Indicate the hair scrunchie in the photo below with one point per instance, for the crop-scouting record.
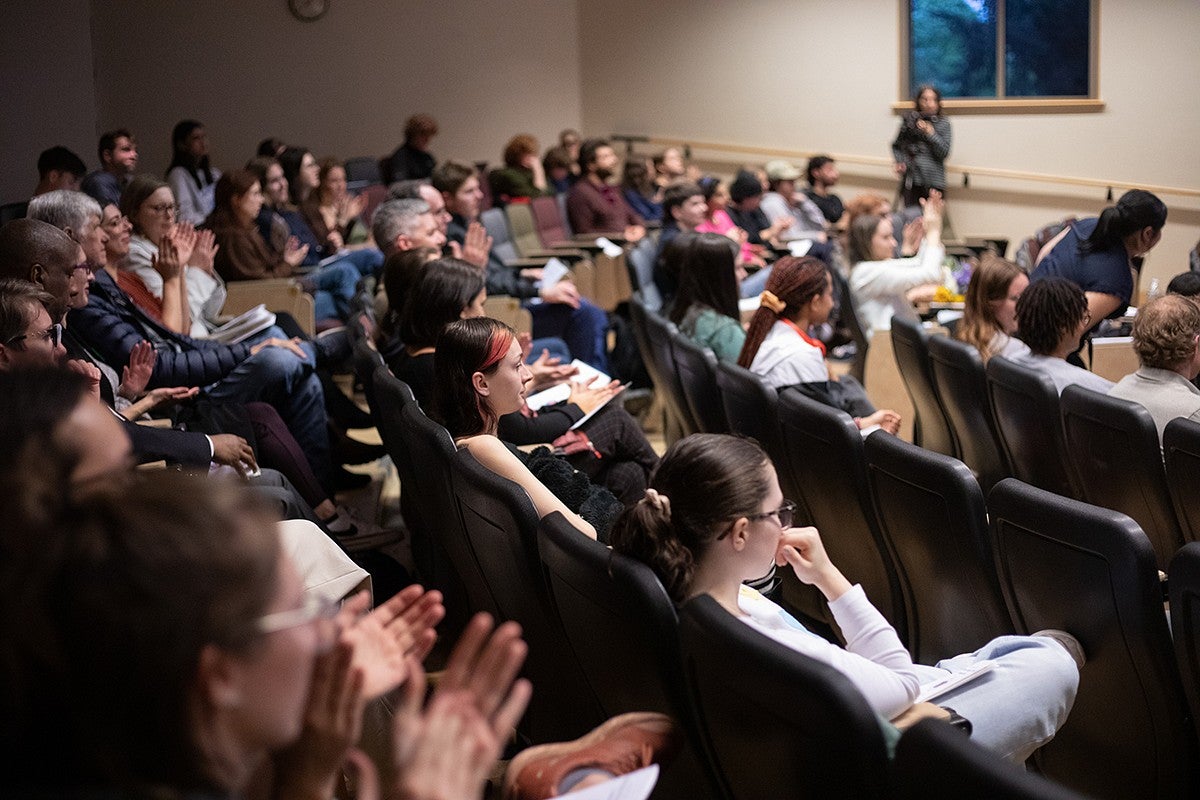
(770, 301)
(659, 501)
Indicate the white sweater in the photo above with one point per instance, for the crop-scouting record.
(784, 359)
(879, 286)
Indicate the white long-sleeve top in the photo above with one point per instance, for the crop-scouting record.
(879, 286)
(874, 660)
(784, 359)
(206, 291)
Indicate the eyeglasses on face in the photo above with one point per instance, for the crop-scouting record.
(163, 208)
(314, 609)
(785, 514)
(53, 335)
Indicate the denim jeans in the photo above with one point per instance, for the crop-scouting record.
(584, 329)
(557, 348)
(366, 261)
(1021, 703)
(277, 376)
(754, 284)
(336, 285)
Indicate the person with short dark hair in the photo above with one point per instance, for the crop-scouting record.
(560, 168)
(822, 174)
(642, 194)
(1052, 315)
(58, 168)
(1165, 335)
(594, 205)
(684, 208)
(118, 161)
(1186, 284)
(745, 209)
(412, 159)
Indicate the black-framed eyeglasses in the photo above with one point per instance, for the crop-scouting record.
(785, 513)
(53, 335)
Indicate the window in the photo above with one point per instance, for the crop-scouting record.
(1002, 49)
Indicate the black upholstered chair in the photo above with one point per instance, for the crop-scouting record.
(501, 527)
(847, 318)
(652, 334)
(1114, 455)
(932, 516)
(1091, 571)
(931, 425)
(778, 723)
(696, 367)
(421, 451)
(825, 451)
(1181, 451)
(961, 384)
(936, 762)
(752, 409)
(1185, 623)
(624, 632)
(1029, 425)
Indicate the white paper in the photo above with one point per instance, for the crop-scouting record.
(610, 248)
(553, 272)
(800, 247)
(588, 375)
(635, 785)
(953, 681)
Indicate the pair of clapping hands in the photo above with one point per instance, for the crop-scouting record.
(550, 371)
(444, 746)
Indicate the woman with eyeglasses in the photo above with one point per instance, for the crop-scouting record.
(715, 517)
(169, 261)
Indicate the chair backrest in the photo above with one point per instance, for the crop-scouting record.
(1181, 451)
(778, 723)
(361, 172)
(847, 316)
(560, 200)
(961, 384)
(520, 223)
(931, 428)
(1091, 571)
(641, 269)
(1117, 464)
(1029, 426)
(697, 370)
(501, 526)
(1185, 623)
(366, 360)
(421, 450)
(936, 762)
(932, 515)
(496, 224)
(658, 333)
(548, 222)
(373, 195)
(824, 452)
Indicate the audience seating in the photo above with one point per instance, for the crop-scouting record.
(1117, 464)
(961, 382)
(560, 200)
(1181, 451)
(641, 268)
(1091, 571)
(362, 172)
(277, 294)
(1027, 251)
(665, 377)
(549, 222)
(501, 527)
(421, 451)
(823, 452)
(1029, 425)
(777, 723)
(623, 629)
(524, 235)
(847, 315)
(931, 426)
(937, 762)
(697, 370)
(1185, 623)
(932, 516)
(496, 224)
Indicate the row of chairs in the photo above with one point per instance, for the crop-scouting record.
(911, 525)
(1009, 420)
(605, 639)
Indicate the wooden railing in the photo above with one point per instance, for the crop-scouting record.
(688, 145)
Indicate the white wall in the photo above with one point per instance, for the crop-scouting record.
(341, 85)
(46, 96)
(820, 76)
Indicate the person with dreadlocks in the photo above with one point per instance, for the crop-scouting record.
(1051, 316)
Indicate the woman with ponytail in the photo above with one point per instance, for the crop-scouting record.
(779, 349)
(714, 517)
(1101, 253)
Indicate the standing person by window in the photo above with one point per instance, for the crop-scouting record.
(920, 149)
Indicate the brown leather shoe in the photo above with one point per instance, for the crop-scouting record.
(621, 745)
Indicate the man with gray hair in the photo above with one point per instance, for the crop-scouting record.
(78, 216)
(400, 225)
